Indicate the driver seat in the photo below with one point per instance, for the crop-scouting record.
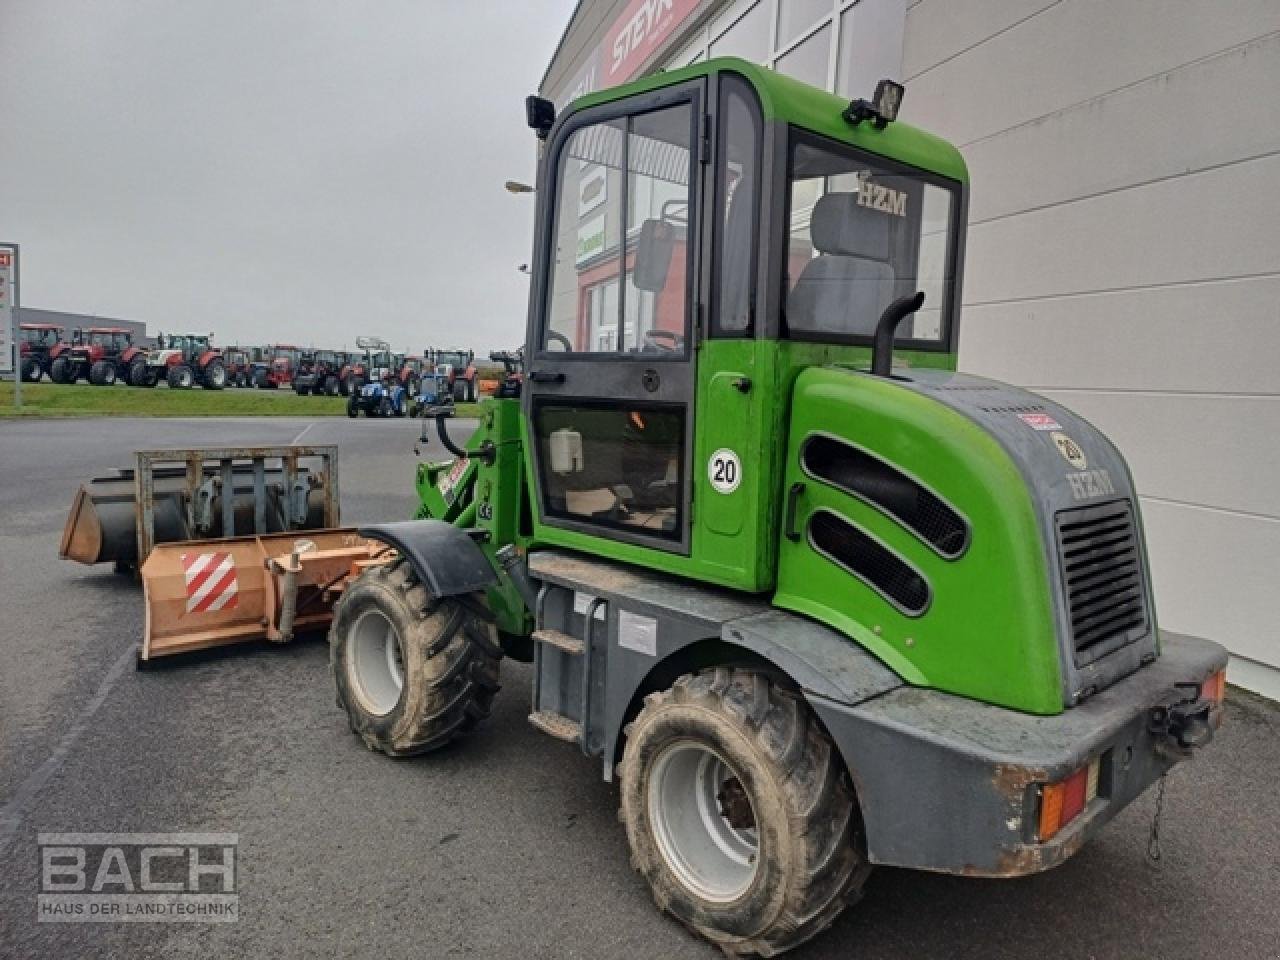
(845, 288)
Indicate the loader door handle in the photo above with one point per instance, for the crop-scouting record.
(793, 505)
(546, 376)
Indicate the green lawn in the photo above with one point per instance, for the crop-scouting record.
(83, 400)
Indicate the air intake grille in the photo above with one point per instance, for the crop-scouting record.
(1102, 576)
(871, 479)
(870, 561)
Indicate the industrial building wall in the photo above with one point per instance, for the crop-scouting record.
(1124, 259)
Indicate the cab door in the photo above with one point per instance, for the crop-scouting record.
(609, 397)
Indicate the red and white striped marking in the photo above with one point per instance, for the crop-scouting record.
(211, 581)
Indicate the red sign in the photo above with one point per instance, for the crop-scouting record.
(641, 29)
(6, 259)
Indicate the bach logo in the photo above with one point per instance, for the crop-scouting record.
(138, 877)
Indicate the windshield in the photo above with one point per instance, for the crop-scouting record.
(454, 358)
(862, 233)
(44, 337)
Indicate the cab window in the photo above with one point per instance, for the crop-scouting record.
(863, 232)
(622, 256)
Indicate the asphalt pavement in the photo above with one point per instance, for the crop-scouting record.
(505, 844)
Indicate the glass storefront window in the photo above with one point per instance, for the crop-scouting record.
(748, 38)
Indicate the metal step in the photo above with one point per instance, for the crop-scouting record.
(557, 725)
(563, 642)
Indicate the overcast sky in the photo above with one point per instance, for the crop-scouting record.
(275, 170)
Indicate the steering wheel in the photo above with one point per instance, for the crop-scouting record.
(664, 340)
(561, 339)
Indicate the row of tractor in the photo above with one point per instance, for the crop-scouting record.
(104, 356)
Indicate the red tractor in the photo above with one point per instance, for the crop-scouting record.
(101, 355)
(319, 372)
(184, 360)
(460, 365)
(38, 345)
(360, 367)
(239, 364)
(411, 371)
(277, 371)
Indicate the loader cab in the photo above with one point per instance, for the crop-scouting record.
(703, 236)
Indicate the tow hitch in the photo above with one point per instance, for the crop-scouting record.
(1184, 723)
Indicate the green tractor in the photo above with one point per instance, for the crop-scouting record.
(815, 600)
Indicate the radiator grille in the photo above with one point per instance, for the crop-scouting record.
(1102, 576)
(870, 561)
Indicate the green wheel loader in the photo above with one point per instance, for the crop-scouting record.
(814, 599)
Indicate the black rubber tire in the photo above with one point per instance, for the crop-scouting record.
(214, 376)
(141, 375)
(180, 377)
(60, 371)
(102, 373)
(812, 860)
(331, 386)
(459, 391)
(30, 370)
(353, 407)
(261, 380)
(471, 391)
(384, 406)
(344, 386)
(450, 659)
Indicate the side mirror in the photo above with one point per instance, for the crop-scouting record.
(653, 255)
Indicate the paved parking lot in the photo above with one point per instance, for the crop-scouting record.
(505, 845)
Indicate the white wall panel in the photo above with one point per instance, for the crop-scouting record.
(1219, 337)
(1215, 451)
(1071, 52)
(936, 31)
(1204, 226)
(1215, 575)
(1134, 136)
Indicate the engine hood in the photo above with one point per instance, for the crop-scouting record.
(979, 538)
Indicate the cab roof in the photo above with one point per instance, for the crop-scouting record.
(40, 326)
(787, 100)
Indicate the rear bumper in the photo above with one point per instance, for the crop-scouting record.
(953, 785)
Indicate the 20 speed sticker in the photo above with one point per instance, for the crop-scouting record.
(1070, 450)
(724, 470)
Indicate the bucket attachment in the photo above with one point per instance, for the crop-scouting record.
(178, 495)
(202, 594)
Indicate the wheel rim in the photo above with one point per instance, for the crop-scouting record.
(375, 663)
(692, 794)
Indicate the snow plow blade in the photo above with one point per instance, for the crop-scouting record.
(173, 495)
(212, 593)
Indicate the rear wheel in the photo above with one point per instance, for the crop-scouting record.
(331, 386)
(353, 407)
(181, 377)
(140, 375)
(102, 373)
(60, 371)
(739, 813)
(30, 369)
(411, 671)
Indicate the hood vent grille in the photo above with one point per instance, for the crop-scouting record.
(873, 481)
(1102, 575)
(870, 561)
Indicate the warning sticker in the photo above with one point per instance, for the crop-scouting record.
(638, 633)
(451, 479)
(1039, 421)
(211, 582)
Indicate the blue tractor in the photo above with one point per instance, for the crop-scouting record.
(382, 397)
(435, 396)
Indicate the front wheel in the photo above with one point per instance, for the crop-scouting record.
(331, 385)
(739, 813)
(181, 377)
(353, 408)
(60, 371)
(30, 369)
(411, 671)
